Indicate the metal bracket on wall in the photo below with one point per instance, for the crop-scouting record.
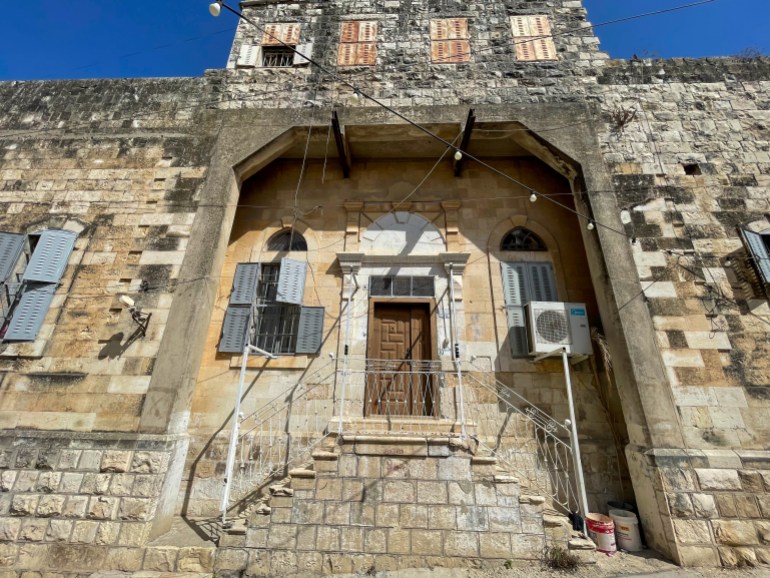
(340, 142)
(469, 123)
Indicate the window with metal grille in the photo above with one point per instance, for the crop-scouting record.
(277, 56)
(287, 240)
(522, 239)
(401, 286)
(265, 310)
(31, 267)
(449, 41)
(532, 38)
(753, 268)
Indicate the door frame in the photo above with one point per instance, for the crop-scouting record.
(433, 349)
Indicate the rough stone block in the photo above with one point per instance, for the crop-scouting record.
(486, 494)
(196, 560)
(70, 482)
(427, 542)
(461, 493)
(375, 541)
(59, 531)
(495, 545)
(84, 532)
(9, 529)
(124, 559)
(751, 481)
(231, 559)
(351, 539)
(704, 506)
(159, 559)
(148, 462)
(399, 491)
(33, 530)
(726, 505)
(68, 459)
(133, 534)
(369, 467)
(461, 544)
(48, 482)
(24, 505)
(432, 492)
(96, 484)
(283, 536)
(307, 512)
(414, 516)
(136, 509)
(454, 468)
(680, 505)
(121, 485)
(115, 461)
(504, 519)
(26, 481)
(735, 532)
(90, 460)
(102, 508)
(386, 515)
(720, 480)
(256, 538)
(399, 541)
(75, 507)
(107, 533)
(746, 506)
(699, 556)
(352, 490)
(329, 489)
(306, 537)
(50, 506)
(442, 517)
(527, 547)
(362, 514)
(7, 478)
(283, 563)
(472, 518)
(328, 539)
(146, 486)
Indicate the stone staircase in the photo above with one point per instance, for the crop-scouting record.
(372, 502)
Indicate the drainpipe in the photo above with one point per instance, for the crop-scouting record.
(577, 461)
(346, 347)
(456, 349)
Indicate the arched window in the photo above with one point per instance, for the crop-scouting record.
(287, 240)
(521, 239)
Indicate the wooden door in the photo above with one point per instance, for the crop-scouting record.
(399, 382)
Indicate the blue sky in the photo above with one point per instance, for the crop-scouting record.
(138, 38)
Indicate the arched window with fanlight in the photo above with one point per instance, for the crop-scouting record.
(287, 240)
(524, 281)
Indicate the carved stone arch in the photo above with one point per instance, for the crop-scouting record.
(402, 233)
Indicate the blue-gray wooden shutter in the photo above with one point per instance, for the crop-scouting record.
(50, 256)
(11, 246)
(291, 281)
(515, 290)
(542, 282)
(756, 246)
(234, 329)
(310, 330)
(29, 313)
(245, 284)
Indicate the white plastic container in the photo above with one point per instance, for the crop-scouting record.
(601, 530)
(626, 530)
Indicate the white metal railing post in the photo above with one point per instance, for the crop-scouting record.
(346, 347)
(234, 436)
(574, 439)
(456, 350)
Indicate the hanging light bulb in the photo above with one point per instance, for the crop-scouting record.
(590, 226)
(533, 197)
(356, 94)
(215, 8)
(458, 155)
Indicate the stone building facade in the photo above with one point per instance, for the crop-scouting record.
(111, 433)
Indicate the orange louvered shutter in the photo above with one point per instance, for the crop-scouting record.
(439, 29)
(273, 34)
(544, 49)
(459, 51)
(525, 49)
(291, 33)
(367, 32)
(540, 26)
(532, 38)
(520, 26)
(439, 52)
(349, 32)
(347, 54)
(367, 54)
(457, 28)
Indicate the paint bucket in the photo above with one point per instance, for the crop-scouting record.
(627, 530)
(601, 529)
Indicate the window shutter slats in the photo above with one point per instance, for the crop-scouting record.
(245, 284)
(273, 35)
(50, 256)
(759, 252)
(517, 331)
(235, 329)
(291, 281)
(367, 32)
(542, 283)
(458, 28)
(515, 284)
(459, 51)
(525, 49)
(439, 29)
(304, 50)
(533, 39)
(248, 56)
(11, 246)
(520, 26)
(366, 54)
(540, 26)
(310, 331)
(440, 52)
(544, 49)
(346, 55)
(291, 33)
(349, 32)
(29, 312)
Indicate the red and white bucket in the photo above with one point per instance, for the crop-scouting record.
(601, 529)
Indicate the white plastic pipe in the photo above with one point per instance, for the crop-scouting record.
(456, 350)
(578, 462)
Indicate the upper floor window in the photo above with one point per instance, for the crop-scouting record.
(31, 267)
(275, 50)
(521, 239)
(449, 41)
(532, 38)
(266, 310)
(358, 44)
(287, 240)
(755, 270)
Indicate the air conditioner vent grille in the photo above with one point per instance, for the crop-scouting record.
(552, 326)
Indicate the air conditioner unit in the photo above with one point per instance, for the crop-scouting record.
(554, 326)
